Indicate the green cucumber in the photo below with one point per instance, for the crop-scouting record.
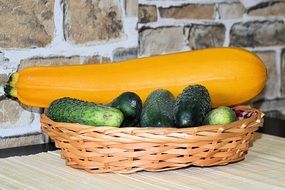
(220, 116)
(130, 105)
(88, 113)
(191, 106)
(158, 109)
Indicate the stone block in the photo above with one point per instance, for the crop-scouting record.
(154, 41)
(272, 88)
(3, 78)
(131, 8)
(26, 24)
(205, 36)
(61, 60)
(48, 61)
(122, 54)
(147, 13)
(258, 34)
(230, 10)
(269, 8)
(95, 59)
(188, 11)
(271, 105)
(14, 114)
(92, 21)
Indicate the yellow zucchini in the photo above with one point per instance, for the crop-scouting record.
(231, 75)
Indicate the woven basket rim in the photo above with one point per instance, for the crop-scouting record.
(258, 116)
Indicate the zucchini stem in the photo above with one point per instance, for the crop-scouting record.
(11, 83)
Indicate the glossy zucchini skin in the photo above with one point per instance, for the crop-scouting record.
(218, 69)
(72, 110)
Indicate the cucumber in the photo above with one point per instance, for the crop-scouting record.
(88, 113)
(191, 106)
(220, 116)
(130, 105)
(157, 110)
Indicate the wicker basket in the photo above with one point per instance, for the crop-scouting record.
(131, 149)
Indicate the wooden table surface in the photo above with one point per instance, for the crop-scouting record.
(263, 168)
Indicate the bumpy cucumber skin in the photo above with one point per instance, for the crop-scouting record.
(76, 111)
(158, 109)
(130, 105)
(191, 106)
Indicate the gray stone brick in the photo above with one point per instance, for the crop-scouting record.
(205, 36)
(122, 54)
(272, 88)
(258, 33)
(269, 8)
(230, 10)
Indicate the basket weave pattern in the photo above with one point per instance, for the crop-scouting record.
(131, 149)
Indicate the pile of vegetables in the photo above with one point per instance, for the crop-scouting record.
(161, 109)
(225, 77)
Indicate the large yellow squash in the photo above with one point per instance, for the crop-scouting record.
(232, 76)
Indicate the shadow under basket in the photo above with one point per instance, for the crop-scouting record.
(132, 149)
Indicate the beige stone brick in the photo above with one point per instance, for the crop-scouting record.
(26, 24)
(147, 13)
(14, 115)
(131, 8)
(95, 59)
(92, 21)
(49, 61)
(161, 40)
(258, 33)
(105, 60)
(270, 8)
(230, 10)
(3, 78)
(61, 60)
(205, 36)
(193, 11)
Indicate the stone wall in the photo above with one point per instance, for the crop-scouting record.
(60, 32)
